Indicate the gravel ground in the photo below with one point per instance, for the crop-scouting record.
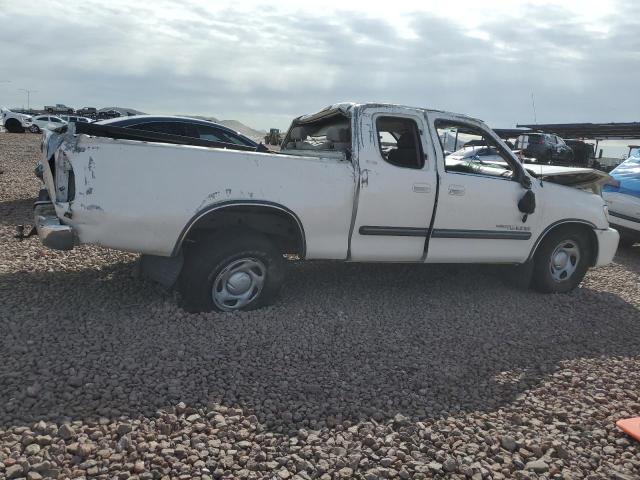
(360, 371)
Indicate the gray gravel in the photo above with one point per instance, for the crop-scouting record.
(360, 371)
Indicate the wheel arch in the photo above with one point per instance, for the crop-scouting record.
(275, 221)
(580, 224)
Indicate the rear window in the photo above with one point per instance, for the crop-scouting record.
(332, 133)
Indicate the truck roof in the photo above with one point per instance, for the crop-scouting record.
(346, 109)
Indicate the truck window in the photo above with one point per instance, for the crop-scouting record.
(470, 150)
(333, 133)
(399, 142)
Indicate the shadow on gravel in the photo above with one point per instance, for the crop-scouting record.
(629, 257)
(346, 341)
(14, 212)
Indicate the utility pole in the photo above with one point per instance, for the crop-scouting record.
(29, 92)
(533, 104)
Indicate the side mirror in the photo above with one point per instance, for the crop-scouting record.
(527, 203)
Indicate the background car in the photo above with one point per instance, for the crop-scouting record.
(184, 127)
(87, 111)
(46, 122)
(623, 199)
(75, 118)
(545, 148)
(15, 122)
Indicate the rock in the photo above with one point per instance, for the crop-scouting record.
(85, 449)
(538, 466)
(34, 476)
(284, 474)
(450, 465)
(32, 449)
(123, 429)
(14, 471)
(508, 443)
(44, 440)
(66, 432)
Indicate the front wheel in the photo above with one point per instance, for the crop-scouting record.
(14, 126)
(233, 271)
(561, 261)
(34, 129)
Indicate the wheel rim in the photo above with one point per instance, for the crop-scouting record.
(238, 284)
(564, 260)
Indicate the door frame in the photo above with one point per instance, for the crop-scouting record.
(428, 152)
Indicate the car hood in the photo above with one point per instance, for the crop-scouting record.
(628, 176)
(577, 177)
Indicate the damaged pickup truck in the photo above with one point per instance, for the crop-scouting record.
(353, 182)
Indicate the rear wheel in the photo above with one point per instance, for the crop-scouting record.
(234, 271)
(561, 261)
(14, 126)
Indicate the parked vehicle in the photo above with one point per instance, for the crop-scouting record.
(545, 147)
(58, 108)
(75, 119)
(106, 114)
(274, 137)
(583, 153)
(15, 122)
(353, 182)
(87, 111)
(623, 198)
(46, 122)
(185, 127)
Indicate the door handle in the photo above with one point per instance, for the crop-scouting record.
(364, 178)
(456, 190)
(421, 187)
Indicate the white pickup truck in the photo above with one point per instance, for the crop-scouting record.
(353, 182)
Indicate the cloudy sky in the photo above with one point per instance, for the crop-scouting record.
(264, 64)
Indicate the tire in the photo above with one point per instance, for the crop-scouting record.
(572, 251)
(242, 260)
(13, 126)
(35, 129)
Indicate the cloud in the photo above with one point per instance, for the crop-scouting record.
(264, 65)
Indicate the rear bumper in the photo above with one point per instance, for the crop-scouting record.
(607, 245)
(52, 233)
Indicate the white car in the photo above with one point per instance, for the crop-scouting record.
(623, 198)
(15, 122)
(75, 118)
(46, 122)
(353, 182)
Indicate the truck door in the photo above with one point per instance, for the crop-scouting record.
(397, 185)
(478, 219)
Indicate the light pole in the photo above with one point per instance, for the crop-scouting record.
(29, 92)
